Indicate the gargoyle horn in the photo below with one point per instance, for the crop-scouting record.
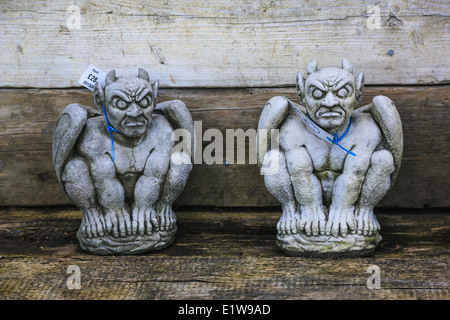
(347, 65)
(143, 75)
(110, 77)
(312, 67)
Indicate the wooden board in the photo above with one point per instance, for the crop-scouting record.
(220, 255)
(202, 43)
(27, 118)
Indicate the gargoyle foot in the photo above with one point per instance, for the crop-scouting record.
(366, 222)
(117, 222)
(167, 218)
(144, 221)
(312, 220)
(289, 222)
(341, 221)
(93, 222)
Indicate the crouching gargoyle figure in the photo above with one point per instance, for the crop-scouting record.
(333, 164)
(117, 165)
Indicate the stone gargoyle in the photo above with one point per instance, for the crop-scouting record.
(116, 164)
(332, 164)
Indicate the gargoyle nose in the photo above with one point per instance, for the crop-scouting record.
(330, 101)
(134, 110)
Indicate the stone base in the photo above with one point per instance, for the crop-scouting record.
(354, 245)
(133, 244)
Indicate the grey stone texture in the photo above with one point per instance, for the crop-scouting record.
(328, 188)
(118, 166)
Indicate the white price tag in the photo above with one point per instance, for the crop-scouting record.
(92, 75)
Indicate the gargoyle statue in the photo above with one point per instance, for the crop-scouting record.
(117, 165)
(333, 163)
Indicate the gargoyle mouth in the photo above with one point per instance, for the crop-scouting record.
(139, 122)
(326, 113)
(135, 124)
(330, 114)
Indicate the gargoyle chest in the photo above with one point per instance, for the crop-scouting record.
(130, 160)
(327, 157)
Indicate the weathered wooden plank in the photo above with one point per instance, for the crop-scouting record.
(202, 43)
(219, 255)
(27, 118)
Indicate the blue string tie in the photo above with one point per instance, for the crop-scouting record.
(336, 139)
(110, 130)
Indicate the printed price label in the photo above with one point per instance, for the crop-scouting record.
(91, 76)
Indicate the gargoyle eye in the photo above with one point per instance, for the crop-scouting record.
(342, 93)
(145, 102)
(318, 94)
(121, 104)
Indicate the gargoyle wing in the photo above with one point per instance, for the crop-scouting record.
(66, 132)
(273, 114)
(179, 116)
(386, 115)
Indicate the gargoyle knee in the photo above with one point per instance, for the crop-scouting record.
(274, 161)
(382, 161)
(180, 158)
(78, 184)
(181, 162)
(74, 169)
(157, 166)
(299, 162)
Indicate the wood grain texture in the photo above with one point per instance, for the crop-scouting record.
(220, 255)
(202, 43)
(27, 118)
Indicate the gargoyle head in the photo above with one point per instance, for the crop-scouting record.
(330, 94)
(129, 101)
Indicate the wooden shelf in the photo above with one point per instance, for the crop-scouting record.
(220, 254)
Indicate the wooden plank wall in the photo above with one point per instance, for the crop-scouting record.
(223, 43)
(224, 59)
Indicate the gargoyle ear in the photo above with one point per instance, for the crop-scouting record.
(99, 96)
(359, 86)
(155, 87)
(300, 84)
(110, 77)
(143, 75)
(312, 67)
(347, 65)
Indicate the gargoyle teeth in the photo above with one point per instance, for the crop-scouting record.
(134, 124)
(330, 114)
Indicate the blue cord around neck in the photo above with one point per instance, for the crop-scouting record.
(336, 139)
(110, 130)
